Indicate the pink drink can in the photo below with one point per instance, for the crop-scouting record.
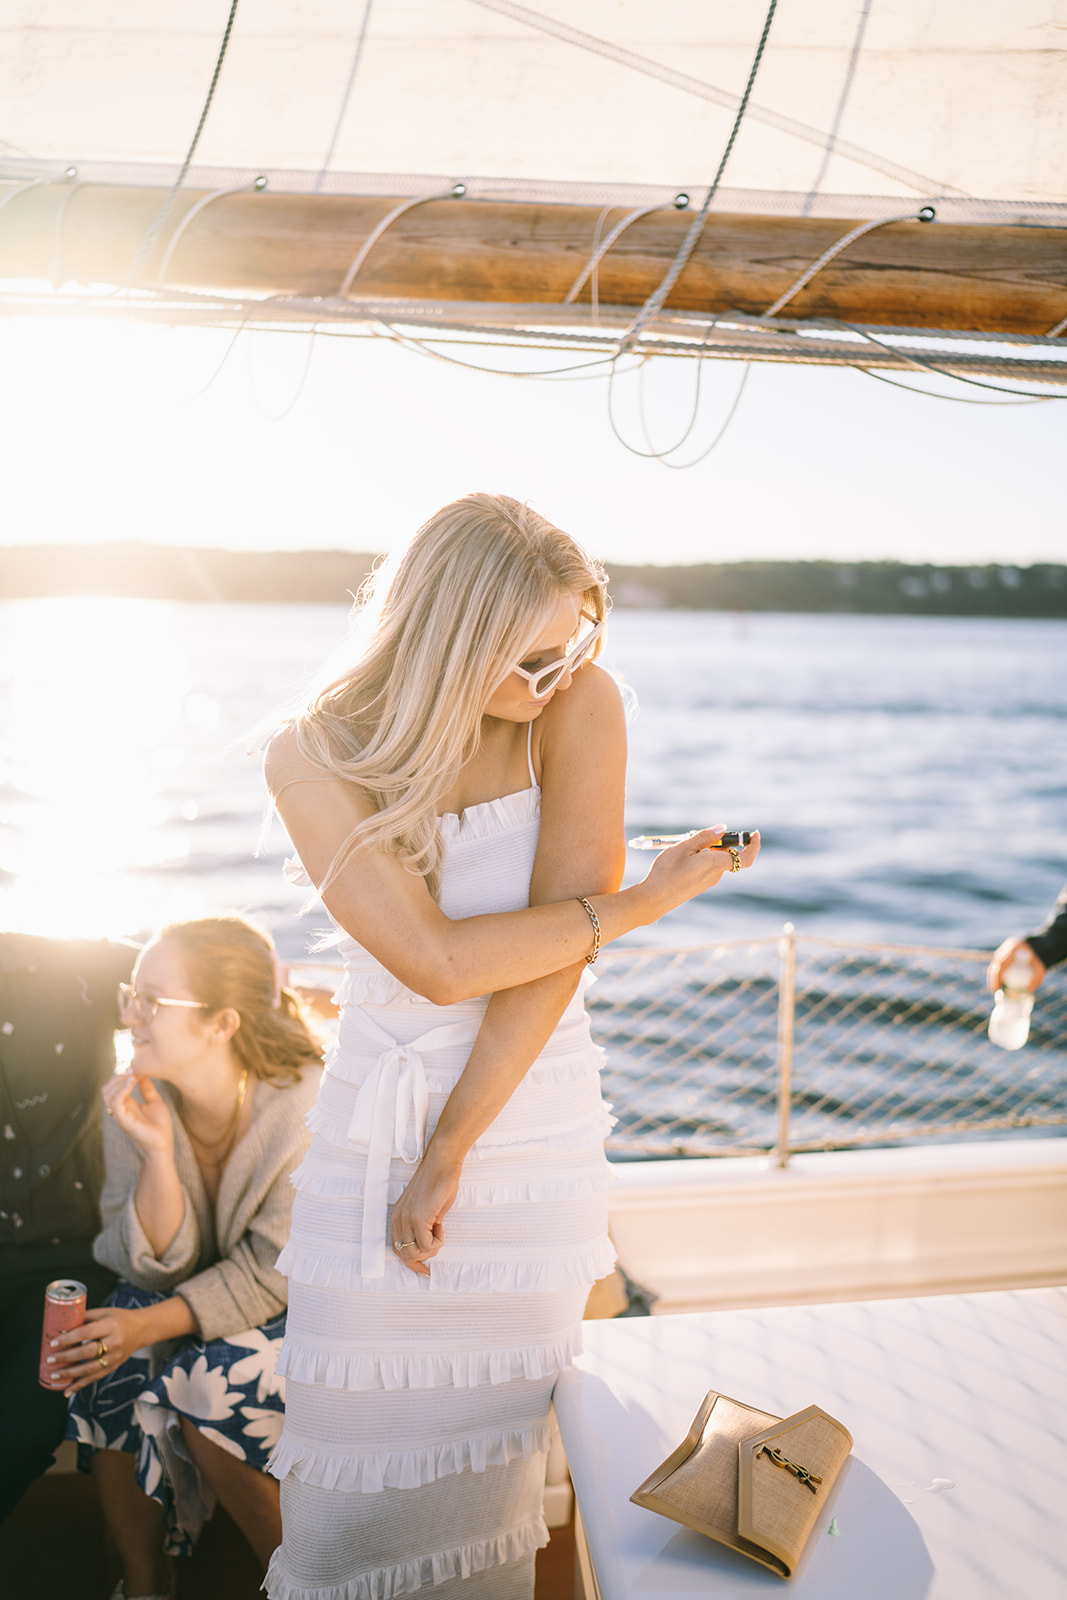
(64, 1308)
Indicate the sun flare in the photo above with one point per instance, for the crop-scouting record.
(98, 700)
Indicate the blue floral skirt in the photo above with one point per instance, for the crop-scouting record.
(226, 1387)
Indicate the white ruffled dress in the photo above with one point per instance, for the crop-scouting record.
(413, 1454)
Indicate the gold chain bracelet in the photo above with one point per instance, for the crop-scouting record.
(595, 920)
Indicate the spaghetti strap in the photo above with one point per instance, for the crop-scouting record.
(529, 754)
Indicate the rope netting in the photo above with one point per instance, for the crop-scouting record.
(803, 1043)
(691, 1043)
(888, 1044)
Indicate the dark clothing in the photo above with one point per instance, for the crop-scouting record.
(58, 1014)
(34, 1419)
(227, 1387)
(1049, 943)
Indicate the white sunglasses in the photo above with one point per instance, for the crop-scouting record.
(543, 680)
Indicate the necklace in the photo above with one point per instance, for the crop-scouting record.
(228, 1135)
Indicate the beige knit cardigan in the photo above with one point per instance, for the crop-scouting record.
(222, 1258)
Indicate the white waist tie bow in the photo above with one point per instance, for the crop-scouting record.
(393, 1096)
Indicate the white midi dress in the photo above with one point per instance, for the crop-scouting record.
(413, 1454)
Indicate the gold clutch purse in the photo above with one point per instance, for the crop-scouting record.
(753, 1481)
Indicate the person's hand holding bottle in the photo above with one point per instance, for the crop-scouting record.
(1014, 952)
(1014, 973)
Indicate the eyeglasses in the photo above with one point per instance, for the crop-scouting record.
(142, 1007)
(543, 680)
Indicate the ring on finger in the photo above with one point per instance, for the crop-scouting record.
(101, 1348)
(405, 1244)
(101, 1361)
(735, 859)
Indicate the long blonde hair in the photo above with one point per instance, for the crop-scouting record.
(451, 617)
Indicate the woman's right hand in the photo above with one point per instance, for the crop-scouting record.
(694, 865)
(108, 1337)
(147, 1121)
(1002, 958)
(418, 1215)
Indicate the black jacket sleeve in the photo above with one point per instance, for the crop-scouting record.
(1049, 943)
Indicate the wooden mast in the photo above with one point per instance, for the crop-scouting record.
(991, 279)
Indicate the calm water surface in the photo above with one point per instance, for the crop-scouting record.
(909, 774)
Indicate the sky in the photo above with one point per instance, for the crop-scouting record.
(113, 431)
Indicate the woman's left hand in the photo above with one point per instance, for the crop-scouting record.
(148, 1120)
(418, 1215)
(108, 1337)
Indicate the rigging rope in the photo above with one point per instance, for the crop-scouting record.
(457, 191)
(719, 97)
(156, 227)
(662, 455)
(253, 307)
(55, 270)
(600, 250)
(656, 300)
(198, 394)
(328, 157)
(652, 453)
(842, 102)
(256, 186)
(406, 341)
(279, 416)
(930, 366)
(594, 265)
(20, 188)
(957, 399)
(260, 183)
(924, 214)
(682, 466)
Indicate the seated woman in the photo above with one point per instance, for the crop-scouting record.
(175, 1401)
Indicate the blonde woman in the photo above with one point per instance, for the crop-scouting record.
(457, 798)
(174, 1396)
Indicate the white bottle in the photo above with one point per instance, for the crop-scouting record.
(1009, 1025)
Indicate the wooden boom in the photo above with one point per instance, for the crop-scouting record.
(993, 279)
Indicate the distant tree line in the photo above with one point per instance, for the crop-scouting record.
(172, 572)
(859, 586)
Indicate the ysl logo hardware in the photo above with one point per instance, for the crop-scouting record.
(809, 1479)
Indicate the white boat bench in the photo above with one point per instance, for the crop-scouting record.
(957, 1485)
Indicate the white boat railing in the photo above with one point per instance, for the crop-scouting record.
(796, 1043)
